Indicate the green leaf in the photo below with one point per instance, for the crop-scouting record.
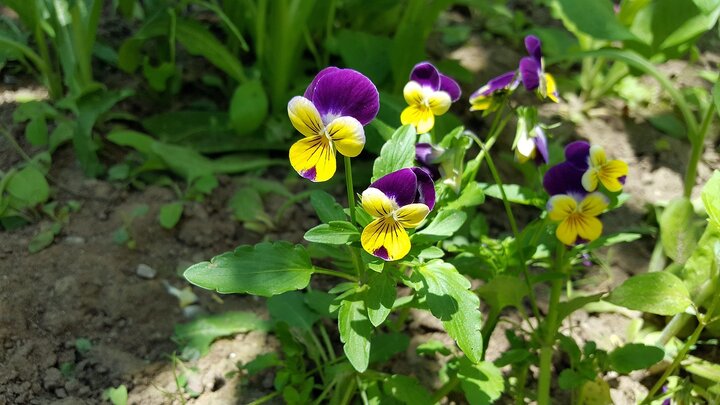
(711, 195)
(470, 196)
(320, 302)
(118, 396)
(678, 231)
(716, 96)
(634, 356)
(200, 42)
(611, 239)
(170, 214)
(28, 187)
(443, 226)
(568, 307)
(333, 233)
(450, 300)
(355, 330)
(669, 124)
(665, 24)
(248, 107)
(431, 347)
(380, 297)
(384, 346)
(516, 194)
(247, 206)
(291, 308)
(407, 390)
(482, 383)
(198, 334)
(326, 207)
(41, 241)
(700, 265)
(36, 132)
(658, 293)
(365, 52)
(595, 18)
(262, 363)
(62, 133)
(397, 153)
(503, 291)
(265, 269)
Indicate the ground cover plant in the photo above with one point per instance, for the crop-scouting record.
(418, 230)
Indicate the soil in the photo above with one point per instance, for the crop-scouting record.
(86, 286)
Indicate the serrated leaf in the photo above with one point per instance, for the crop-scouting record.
(380, 297)
(634, 356)
(290, 307)
(407, 390)
(449, 297)
(199, 333)
(658, 293)
(265, 269)
(355, 330)
(397, 153)
(326, 207)
(170, 214)
(443, 226)
(333, 233)
(482, 383)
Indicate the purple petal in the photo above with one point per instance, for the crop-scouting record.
(400, 185)
(451, 87)
(311, 88)
(541, 146)
(425, 188)
(530, 73)
(424, 154)
(497, 83)
(564, 178)
(346, 92)
(577, 154)
(382, 253)
(427, 75)
(532, 44)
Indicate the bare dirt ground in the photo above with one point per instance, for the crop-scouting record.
(86, 286)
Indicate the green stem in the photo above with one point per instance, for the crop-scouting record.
(495, 129)
(326, 341)
(513, 226)
(520, 384)
(349, 392)
(264, 399)
(329, 272)
(697, 141)
(349, 186)
(678, 322)
(550, 328)
(329, 31)
(445, 389)
(702, 322)
(488, 328)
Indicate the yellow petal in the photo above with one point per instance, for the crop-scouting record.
(439, 102)
(313, 158)
(590, 179)
(419, 116)
(551, 87)
(593, 204)
(597, 156)
(376, 203)
(305, 117)
(348, 135)
(589, 228)
(410, 216)
(561, 206)
(480, 103)
(610, 173)
(413, 93)
(567, 231)
(386, 239)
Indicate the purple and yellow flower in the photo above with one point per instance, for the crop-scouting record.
(577, 216)
(399, 200)
(584, 169)
(530, 140)
(428, 93)
(532, 70)
(331, 115)
(484, 98)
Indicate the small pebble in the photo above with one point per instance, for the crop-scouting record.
(74, 240)
(145, 271)
(60, 393)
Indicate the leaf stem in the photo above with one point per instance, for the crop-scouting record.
(445, 389)
(329, 272)
(697, 142)
(349, 186)
(550, 328)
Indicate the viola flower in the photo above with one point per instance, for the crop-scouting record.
(577, 216)
(428, 93)
(331, 115)
(532, 70)
(610, 173)
(399, 200)
(426, 155)
(484, 98)
(530, 140)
